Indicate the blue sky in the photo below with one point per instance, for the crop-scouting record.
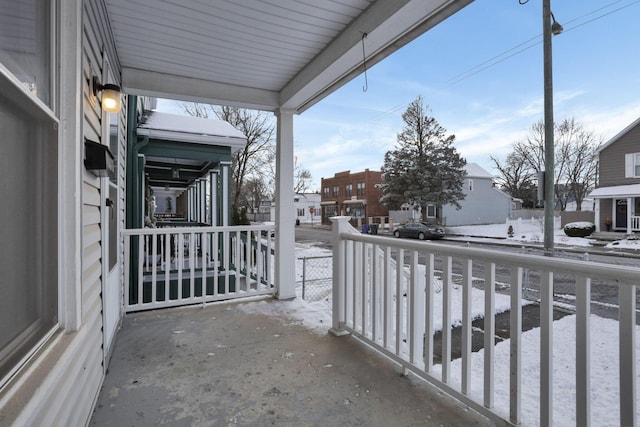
(480, 72)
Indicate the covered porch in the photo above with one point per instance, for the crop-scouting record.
(251, 363)
(617, 208)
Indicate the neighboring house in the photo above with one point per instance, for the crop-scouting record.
(352, 194)
(306, 206)
(484, 203)
(617, 194)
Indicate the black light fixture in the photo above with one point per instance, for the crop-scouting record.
(111, 95)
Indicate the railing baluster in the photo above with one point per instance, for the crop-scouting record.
(180, 262)
(399, 311)
(416, 319)
(546, 348)
(375, 291)
(428, 322)
(583, 351)
(467, 278)
(141, 260)
(447, 284)
(192, 264)
(515, 337)
(489, 332)
(349, 285)
(627, 343)
(167, 267)
(364, 279)
(203, 250)
(388, 297)
(127, 270)
(154, 263)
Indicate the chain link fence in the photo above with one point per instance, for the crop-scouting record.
(315, 277)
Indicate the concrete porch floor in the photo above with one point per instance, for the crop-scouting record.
(224, 365)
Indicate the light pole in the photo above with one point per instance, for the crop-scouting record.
(548, 28)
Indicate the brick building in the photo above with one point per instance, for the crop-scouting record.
(352, 194)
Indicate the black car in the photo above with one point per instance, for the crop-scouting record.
(420, 230)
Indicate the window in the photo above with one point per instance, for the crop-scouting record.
(357, 210)
(348, 190)
(632, 165)
(360, 189)
(336, 191)
(470, 185)
(330, 211)
(325, 193)
(431, 211)
(300, 211)
(25, 47)
(28, 173)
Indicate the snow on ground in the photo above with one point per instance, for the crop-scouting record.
(529, 231)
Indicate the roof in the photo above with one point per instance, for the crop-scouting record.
(619, 135)
(269, 55)
(474, 170)
(174, 127)
(631, 190)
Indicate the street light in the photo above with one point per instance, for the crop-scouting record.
(548, 29)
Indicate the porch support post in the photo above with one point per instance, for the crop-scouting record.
(596, 217)
(629, 215)
(338, 314)
(285, 277)
(213, 198)
(225, 190)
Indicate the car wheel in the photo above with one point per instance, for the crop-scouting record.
(396, 233)
(421, 236)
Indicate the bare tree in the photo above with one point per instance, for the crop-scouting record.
(257, 127)
(574, 158)
(516, 178)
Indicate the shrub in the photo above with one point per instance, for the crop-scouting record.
(579, 229)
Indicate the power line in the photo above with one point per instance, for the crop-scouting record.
(534, 42)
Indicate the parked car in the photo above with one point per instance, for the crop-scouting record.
(420, 230)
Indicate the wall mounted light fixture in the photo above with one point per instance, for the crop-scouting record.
(111, 95)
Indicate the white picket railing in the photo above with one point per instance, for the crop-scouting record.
(391, 309)
(167, 267)
(635, 223)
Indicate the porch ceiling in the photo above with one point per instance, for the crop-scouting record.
(264, 54)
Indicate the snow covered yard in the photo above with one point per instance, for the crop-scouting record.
(604, 353)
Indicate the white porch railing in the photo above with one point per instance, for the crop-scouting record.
(167, 267)
(635, 223)
(392, 310)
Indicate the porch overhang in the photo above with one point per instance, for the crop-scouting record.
(631, 190)
(284, 56)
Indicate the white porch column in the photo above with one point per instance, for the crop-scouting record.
(285, 275)
(629, 215)
(225, 176)
(213, 197)
(596, 218)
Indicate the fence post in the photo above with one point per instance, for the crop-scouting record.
(304, 274)
(338, 319)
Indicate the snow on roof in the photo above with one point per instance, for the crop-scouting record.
(190, 129)
(474, 170)
(632, 190)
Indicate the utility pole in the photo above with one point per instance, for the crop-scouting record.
(548, 28)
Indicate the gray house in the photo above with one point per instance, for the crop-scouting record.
(617, 195)
(484, 203)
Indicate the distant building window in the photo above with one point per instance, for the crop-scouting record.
(360, 189)
(330, 211)
(348, 190)
(431, 211)
(325, 193)
(300, 211)
(632, 165)
(336, 191)
(470, 185)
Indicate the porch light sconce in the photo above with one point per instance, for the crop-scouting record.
(97, 158)
(175, 173)
(111, 95)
